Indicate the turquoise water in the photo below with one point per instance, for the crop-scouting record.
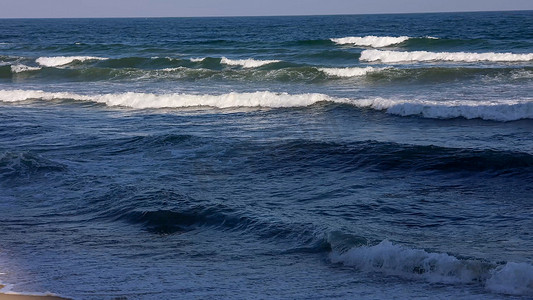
(366, 157)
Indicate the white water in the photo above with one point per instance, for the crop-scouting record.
(349, 72)
(23, 68)
(390, 259)
(371, 40)
(55, 61)
(424, 56)
(501, 110)
(246, 63)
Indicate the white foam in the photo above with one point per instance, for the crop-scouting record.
(410, 263)
(425, 56)
(371, 40)
(146, 100)
(396, 260)
(23, 68)
(513, 278)
(198, 59)
(349, 72)
(497, 110)
(56, 61)
(246, 63)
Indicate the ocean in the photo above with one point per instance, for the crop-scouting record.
(298, 157)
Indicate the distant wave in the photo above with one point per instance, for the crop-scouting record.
(23, 68)
(500, 110)
(371, 40)
(246, 63)
(56, 61)
(424, 56)
(391, 259)
(349, 72)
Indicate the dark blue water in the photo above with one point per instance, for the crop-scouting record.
(366, 157)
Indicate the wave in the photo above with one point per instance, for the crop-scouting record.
(146, 100)
(371, 40)
(349, 72)
(501, 110)
(381, 157)
(497, 110)
(390, 259)
(26, 164)
(246, 63)
(56, 61)
(425, 56)
(23, 68)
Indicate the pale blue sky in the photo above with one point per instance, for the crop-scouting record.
(190, 8)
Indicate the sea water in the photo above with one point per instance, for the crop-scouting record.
(319, 157)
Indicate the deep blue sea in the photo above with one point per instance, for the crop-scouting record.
(313, 157)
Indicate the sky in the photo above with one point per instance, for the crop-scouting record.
(195, 8)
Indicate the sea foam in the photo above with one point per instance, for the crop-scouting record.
(424, 56)
(349, 72)
(371, 40)
(56, 61)
(147, 100)
(246, 63)
(501, 110)
(496, 110)
(391, 259)
(23, 68)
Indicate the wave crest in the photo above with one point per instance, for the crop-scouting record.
(349, 72)
(500, 110)
(246, 63)
(371, 40)
(56, 61)
(388, 258)
(425, 56)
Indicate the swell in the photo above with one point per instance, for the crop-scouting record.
(379, 157)
(25, 165)
(255, 71)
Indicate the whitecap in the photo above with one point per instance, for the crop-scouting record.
(246, 63)
(425, 56)
(371, 40)
(56, 61)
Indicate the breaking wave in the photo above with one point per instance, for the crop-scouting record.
(246, 63)
(497, 110)
(349, 72)
(391, 259)
(146, 100)
(23, 68)
(371, 40)
(56, 61)
(425, 56)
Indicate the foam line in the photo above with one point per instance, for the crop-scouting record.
(55, 61)
(349, 72)
(425, 56)
(246, 63)
(496, 110)
(23, 68)
(371, 40)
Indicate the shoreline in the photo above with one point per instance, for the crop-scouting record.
(4, 296)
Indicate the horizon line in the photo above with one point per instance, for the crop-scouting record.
(259, 16)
